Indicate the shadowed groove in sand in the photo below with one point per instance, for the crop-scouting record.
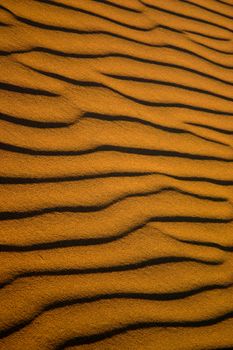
(212, 48)
(26, 90)
(112, 148)
(109, 334)
(110, 238)
(117, 55)
(172, 130)
(32, 123)
(95, 32)
(137, 100)
(113, 268)
(207, 9)
(129, 78)
(104, 117)
(166, 83)
(144, 296)
(31, 180)
(53, 3)
(223, 131)
(168, 46)
(112, 4)
(224, 2)
(195, 19)
(151, 103)
(173, 47)
(204, 35)
(10, 215)
(206, 244)
(2, 24)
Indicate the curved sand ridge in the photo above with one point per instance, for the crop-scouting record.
(116, 177)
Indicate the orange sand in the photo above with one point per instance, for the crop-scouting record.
(116, 177)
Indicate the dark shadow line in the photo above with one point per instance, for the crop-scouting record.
(166, 83)
(112, 296)
(212, 48)
(223, 131)
(89, 339)
(118, 55)
(26, 90)
(205, 244)
(206, 35)
(118, 6)
(70, 243)
(113, 148)
(191, 53)
(131, 98)
(106, 239)
(171, 29)
(79, 31)
(33, 123)
(106, 117)
(116, 118)
(177, 14)
(207, 9)
(138, 42)
(115, 268)
(33, 180)
(90, 115)
(76, 9)
(2, 24)
(189, 219)
(16, 215)
(83, 32)
(224, 2)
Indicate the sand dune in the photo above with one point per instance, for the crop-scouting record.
(116, 174)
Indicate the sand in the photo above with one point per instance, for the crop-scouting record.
(116, 177)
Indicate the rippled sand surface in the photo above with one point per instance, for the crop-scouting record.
(116, 177)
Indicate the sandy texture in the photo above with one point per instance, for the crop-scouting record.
(116, 177)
